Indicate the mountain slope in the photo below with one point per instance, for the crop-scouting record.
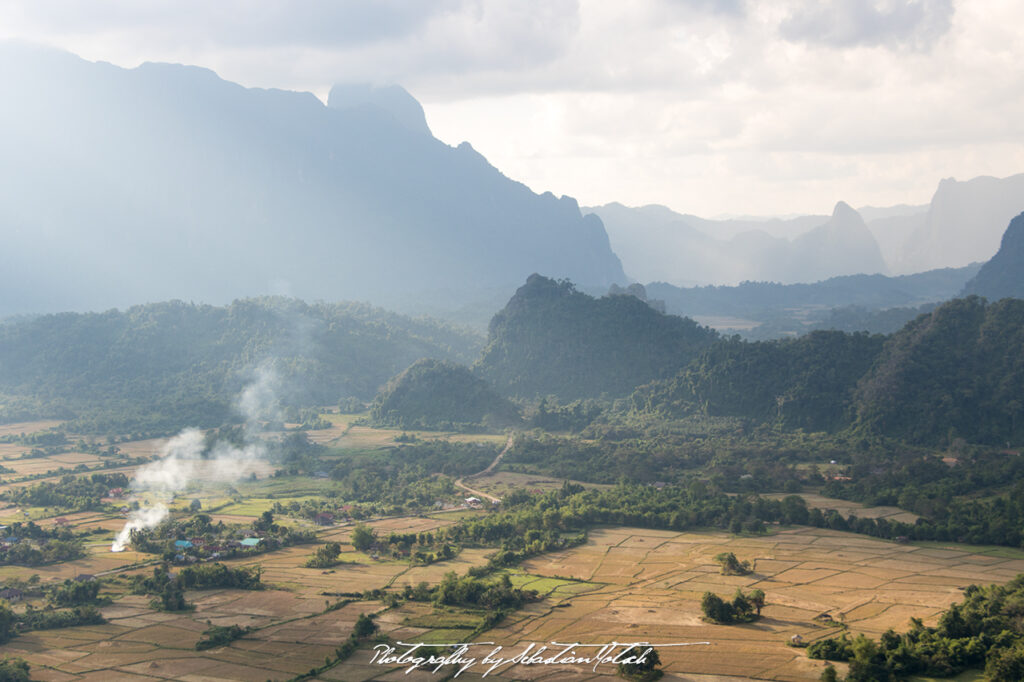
(955, 373)
(1003, 276)
(803, 383)
(164, 181)
(552, 339)
(172, 364)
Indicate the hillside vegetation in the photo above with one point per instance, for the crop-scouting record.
(803, 383)
(439, 394)
(553, 339)
(163, 365)
(956, 373)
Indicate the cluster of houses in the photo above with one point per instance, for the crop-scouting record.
(196, 549)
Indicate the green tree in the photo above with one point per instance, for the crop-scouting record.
(364, 626)
(8, 622)
(644, 669)
(14, 670)
(756, 599)
(363, 537)
(731, 565)
(1007, 665)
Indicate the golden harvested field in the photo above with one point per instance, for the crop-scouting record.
(624, 584)
(27, 428)
(651, 583)
(140, 644)
(367, 437)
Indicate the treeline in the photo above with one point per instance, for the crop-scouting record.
(48, 618)
(26, 544)
(531, 524)
(986, 629)
(403, 478)
(925, 483)
(70, 493)
(498, 596)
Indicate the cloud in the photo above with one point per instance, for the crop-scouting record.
(267, 23)
(708, 106)
(916, 24)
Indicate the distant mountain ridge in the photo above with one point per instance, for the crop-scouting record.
(124, 185)
(962, 224)
(656, 244)
(754, 299)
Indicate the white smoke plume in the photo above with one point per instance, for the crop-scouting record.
(181, 460)
(176, 466)
(139, 520)
(258, 401)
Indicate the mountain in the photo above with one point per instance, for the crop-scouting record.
(656, 244)
(964, 223)
(551, 339)
(164, 181)
(841, 246)
(955, 373)
(803, 383)
(440, 394)
(166, 365)
(1003, 276)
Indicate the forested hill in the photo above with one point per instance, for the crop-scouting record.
(799, 383)
(439, 394)
(552, 339)
(957, 372)
(168, 364)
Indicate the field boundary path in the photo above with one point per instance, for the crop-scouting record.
(489, 469)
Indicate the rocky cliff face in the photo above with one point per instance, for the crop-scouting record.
(964, 224)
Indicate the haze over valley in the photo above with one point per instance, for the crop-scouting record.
(353, 341)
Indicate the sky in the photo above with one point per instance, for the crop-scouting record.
(711, 107)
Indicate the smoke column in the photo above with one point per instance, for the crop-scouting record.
(138, 520)
(181, 459)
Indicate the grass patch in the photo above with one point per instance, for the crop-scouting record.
(447, 619)
(988, 550)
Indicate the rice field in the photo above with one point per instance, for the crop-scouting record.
(624, 584)
(651, 582)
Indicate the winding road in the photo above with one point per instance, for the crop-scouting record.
(489, 469)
